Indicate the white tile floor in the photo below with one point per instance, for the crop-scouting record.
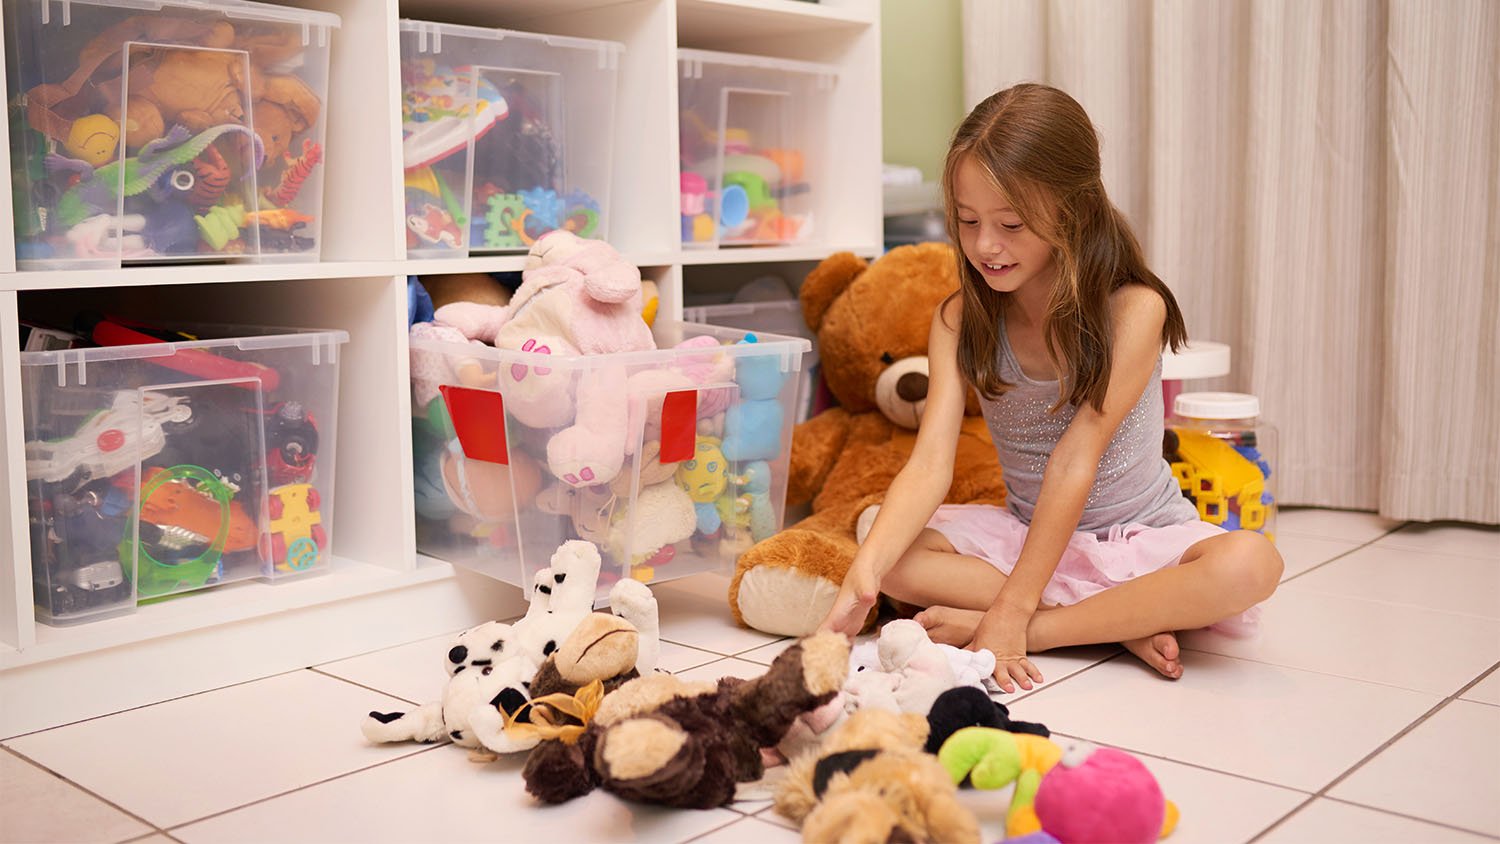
(1368, 710)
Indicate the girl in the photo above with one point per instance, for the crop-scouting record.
(1059, 325)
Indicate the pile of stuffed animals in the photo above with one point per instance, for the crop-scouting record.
(585, 416)
(875, 740)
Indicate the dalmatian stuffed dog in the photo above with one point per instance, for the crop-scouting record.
(490, 666)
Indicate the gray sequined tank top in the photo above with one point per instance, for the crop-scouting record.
(1134, 483)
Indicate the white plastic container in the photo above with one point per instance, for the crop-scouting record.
(753, 145)
(712, 419)
(505, 136)
(1222, 454)
(164, 467)
(781, 316)
(216, 108)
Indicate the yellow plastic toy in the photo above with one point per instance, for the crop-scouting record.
(1214, 473)
(93, 138)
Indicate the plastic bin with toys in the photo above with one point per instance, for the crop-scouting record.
(753, 146)
(665, 444)
(505, 136)
(160, 462)
(165, 130)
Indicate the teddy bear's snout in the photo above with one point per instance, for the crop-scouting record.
(901, 391)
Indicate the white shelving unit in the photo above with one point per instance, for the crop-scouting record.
(380, 592)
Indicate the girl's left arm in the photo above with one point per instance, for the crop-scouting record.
(1138, 316)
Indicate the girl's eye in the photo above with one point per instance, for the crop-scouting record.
(964, 222)
(1013, 227)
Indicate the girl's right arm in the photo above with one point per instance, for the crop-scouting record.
(919, 487)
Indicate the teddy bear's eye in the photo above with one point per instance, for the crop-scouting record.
(690, 465)
(713, 466)
(886, 358)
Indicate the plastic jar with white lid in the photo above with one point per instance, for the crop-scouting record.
(1222, 454)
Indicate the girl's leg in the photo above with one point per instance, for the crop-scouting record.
(932, 572)
(1217, 578)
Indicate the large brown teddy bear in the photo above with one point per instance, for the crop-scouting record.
(872, 323)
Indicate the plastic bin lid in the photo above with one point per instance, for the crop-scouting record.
(1199, 359)
(438, 31)
(1216, 406)
(689, 56)
(241, 9)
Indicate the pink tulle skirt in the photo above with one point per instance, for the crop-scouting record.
(1089, 565)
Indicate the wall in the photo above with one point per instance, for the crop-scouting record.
(922, 78)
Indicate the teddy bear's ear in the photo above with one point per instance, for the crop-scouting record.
(824, 284)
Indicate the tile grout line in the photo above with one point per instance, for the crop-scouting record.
(90, 792)
(1407, 730)
(1194, 765)
(1322, 673)
(153, 703)
(306, 786)
(360, 685)
(1443, 824)
(1361, 546)
(707, 832)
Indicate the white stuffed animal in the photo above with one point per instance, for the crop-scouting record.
(904, 670)
(485, 671)
(491, 666)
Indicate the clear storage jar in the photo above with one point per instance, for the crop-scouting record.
(1222, 454)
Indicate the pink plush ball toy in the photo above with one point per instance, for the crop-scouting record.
(1100, 795)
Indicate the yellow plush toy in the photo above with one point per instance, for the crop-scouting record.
(872, 323)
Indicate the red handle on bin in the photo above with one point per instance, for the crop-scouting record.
(191, 361)
(479, 421)
(679, 426)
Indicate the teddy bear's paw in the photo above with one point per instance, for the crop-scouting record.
(639, 749)
(786, 584)
(825, 663)
(556, 772)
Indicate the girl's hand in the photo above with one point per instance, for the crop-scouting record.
(856, 596)
(1003, 633)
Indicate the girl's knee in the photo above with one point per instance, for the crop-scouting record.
(1251, 565)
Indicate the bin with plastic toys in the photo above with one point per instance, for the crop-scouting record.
(672, 461)
(753, 143)
(160, 462)
(1222, 454)
(165, 130)
(505, 136)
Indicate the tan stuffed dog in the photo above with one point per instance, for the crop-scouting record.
(872, 783)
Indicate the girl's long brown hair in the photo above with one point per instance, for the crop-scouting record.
(1040, 150)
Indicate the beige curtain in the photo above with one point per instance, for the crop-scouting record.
(1319, 182)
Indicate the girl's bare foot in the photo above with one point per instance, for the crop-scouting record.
(949, 626)
(1159, 652)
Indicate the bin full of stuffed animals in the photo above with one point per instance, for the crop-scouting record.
(158, 464)
(148, 131)
(566, 415)
(505, 136)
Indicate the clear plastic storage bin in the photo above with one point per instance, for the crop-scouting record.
(165, 130)
(780, 316)
(505, 136)
(163, 467)
(1222, 454)
(753, 145)
(671, 461)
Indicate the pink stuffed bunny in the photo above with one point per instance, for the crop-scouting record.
(577, 297)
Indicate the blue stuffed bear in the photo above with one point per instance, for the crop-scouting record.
(753, 425)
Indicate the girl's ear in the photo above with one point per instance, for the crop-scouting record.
(824, 284)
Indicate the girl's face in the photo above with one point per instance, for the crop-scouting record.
(1005, 251)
